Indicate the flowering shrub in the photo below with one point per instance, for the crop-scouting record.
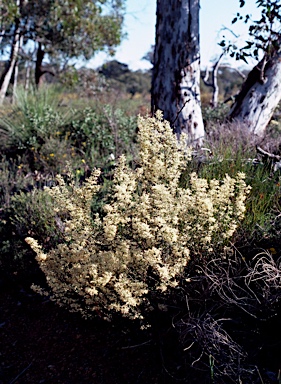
(147, 231)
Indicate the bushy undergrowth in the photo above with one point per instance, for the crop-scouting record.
(50, 134)
(39, 137)
(100, 134)
(149, 228)
(28, 214)
(230, 150)
(214, 116)
(148, 235)
(32, 120)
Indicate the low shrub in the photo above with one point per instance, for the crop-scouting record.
(149, 227)
(50, 135)
(214, 116)
(102, 134)
(232, 149)
(28, 214)
(12, 179)
(34, 118)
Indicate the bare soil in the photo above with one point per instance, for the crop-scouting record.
(43, 343)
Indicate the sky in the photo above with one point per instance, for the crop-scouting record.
(139, 25)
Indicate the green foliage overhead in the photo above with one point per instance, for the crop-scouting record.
(74, 28)
(80, 28)
(264, 33)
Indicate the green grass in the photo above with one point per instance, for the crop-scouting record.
(230, 155)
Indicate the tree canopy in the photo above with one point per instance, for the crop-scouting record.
(61, 29)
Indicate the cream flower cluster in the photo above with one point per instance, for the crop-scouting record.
(149, 229)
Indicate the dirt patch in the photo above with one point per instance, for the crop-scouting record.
(43, 343)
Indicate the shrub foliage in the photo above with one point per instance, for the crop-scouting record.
(139, 243)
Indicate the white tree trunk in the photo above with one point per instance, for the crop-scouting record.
(176, 73)
(2, 35)
(259, 96)
(16, 72)
(13, 59)
(214, 82)
(27, 76)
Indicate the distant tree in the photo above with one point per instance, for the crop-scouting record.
(125, 80)
(176, 71)
(221, 76)
(149, 56)
(11, 12)
(214, 80)
(113, 69)
(261, 92)
(60, 30)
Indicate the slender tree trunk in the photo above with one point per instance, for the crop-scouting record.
(27, 77)
(39, 70)
(38, 66)
(214, 82)
(2, 35)
(260, 95)
(176, 73)
(7, 75)
(16, 72)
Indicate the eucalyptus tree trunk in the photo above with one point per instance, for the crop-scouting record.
(260, 95)
(2, 35)
(27, 76)
(38, 65)
(39, 68)
(176, 72)
(15, 84)
(7, 75)
(214, 80)
(16, 72)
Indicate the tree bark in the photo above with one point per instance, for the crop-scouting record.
(2, 35)
(38, 66)
(176, 72)
(7, 75)
(260, 95)
(39, 70)
(27, 76)
(15, 84)
(214, 82)
(16, 72)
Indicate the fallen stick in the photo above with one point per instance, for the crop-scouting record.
(21, 373)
